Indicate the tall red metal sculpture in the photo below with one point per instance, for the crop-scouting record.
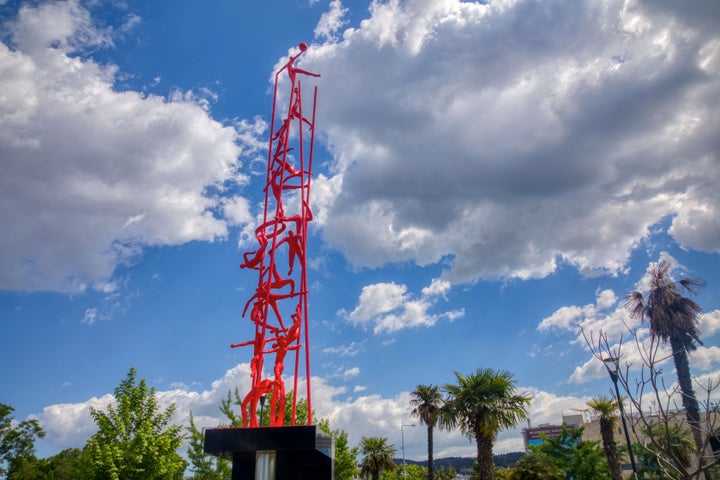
(278, 308)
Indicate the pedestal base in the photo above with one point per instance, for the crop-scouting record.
(301, 452)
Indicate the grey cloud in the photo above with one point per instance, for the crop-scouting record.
(510, 139)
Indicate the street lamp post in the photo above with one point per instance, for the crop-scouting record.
(402, 435)
(613, 365)
(262, 404)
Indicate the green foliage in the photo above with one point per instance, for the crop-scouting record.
(414, 472)
(17, 439)
(576, 458)
(482, 404)
(228, 407)
(714, 472)
(301, 410)
(378, 457)
(667, 453)
(605, 407)
(29, 468)
(426, 402)
(411, 472)
(135, 440)
(502, 473)
(203, 465)
(345, 457)
(69, 464)
(447, 472)
(533, 466)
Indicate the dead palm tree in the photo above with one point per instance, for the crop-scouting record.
(482, 404)
(426, 402)
(673, 318)
(606, 408)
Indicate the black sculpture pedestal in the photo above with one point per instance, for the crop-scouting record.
(300, 452)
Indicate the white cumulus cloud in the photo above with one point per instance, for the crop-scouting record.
(92, 174)
(389, 307)
(331, 21)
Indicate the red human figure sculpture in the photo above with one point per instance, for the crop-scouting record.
(283, 343)
(253, 259)
(287, 183)
(296, 109)
(249, 404)
(295, 249)
(256, 364)
(292, 70)
(264, 298)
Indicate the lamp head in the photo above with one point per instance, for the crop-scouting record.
(612, 364)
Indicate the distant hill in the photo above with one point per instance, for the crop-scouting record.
(460, 463)
(508, 459)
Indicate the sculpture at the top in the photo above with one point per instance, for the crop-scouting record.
(279, 308)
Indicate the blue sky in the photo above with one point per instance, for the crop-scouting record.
(488, 178)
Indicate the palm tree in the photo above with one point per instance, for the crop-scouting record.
(670, 448)
(606, 408)
(426, 403)
(673, 318)
(533, 466)
(482, 404)
(378, 456)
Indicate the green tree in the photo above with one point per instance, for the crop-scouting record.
(673, 318)
(135, 440)
(533, 466)
(301, 410)
(17, 439)
(29, 468)
(482, 404)
(503, 473)
(345, 457)
(231, 404)
(377, 457)
(576, 458)
(411, 472)
(69, 464)
(668, 452)
(204, 466)
(446, 473)
(606, 408)
(426, 402)
(414, 472)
